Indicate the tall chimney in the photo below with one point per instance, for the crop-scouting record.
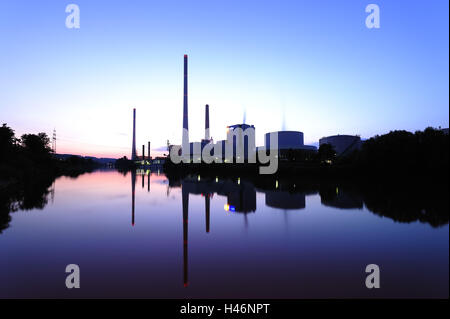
(143, 152)
(133, 147)
(185, 140)
(207, 135)
(148, 151)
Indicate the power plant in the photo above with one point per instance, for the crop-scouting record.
(240, 142)
(237, 137)
(342, 144)
(143, 161)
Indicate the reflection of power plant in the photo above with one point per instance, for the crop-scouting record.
(207, 209)
(134, 174)
(133, 188)
(185, 198)
(339, 197)
(241, 197)
(285, 200)
(285, 196)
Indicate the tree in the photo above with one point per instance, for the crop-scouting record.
(37, 144)
(8, 142)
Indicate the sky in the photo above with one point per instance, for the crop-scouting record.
(306, 65)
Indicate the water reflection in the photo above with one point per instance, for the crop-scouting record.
(400, 202)
(286, 196)
(133, 195)
(340, 197)
(290, 195)
(321, 216)
(241, 198)
(29, 194)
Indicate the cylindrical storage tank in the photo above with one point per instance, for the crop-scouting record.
(342, 144)
(286, 139)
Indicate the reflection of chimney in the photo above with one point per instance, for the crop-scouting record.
(143, 152)
(185, 196)
(207, 204)
(148, 182)
(133, 186)
(207, 135)
(143, 184)
(133, 147)
(185, 140)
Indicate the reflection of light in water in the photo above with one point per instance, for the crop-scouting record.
(217, 179)
(239, 181)
(276, 184)
(198, 178)
(229, 208)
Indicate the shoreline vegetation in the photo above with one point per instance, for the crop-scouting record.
(30, 157)
(28, 168)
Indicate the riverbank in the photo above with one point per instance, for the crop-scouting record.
(396, 155)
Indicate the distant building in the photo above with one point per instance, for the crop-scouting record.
(342, 144)
(290, 145)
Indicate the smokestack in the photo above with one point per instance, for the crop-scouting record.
(148, 150)
(185, 140)
(207, 136)
(143, 152)
(133, 147)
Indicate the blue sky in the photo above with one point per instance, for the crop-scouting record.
(313, 63)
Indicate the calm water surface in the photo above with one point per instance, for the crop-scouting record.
(213, 238)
